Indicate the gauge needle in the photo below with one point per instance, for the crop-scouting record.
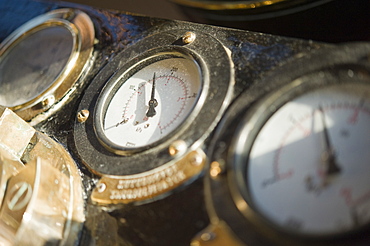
(329, 157)
(152, 102)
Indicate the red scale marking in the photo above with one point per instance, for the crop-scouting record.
(346, 193)
(306, 132)
(354, 118)
(277, 174)
(365, 197)
(183, 85)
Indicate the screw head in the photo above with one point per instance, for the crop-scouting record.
(48, 102)
(101, 187)
(215, 169)
(196, 159)
(189, 37)
(83, 115)
(207, 236)
(177, 147)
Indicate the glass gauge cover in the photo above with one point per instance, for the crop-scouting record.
(33, 63)
(42, 61)
(148, 102)
(308, 168)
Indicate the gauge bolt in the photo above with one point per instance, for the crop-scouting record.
(195, 159)
(350, 73)
(216, 169)
(101, 187)
(208, 236)
(189, 37)
(122, 221)
(83, 115)
(47, 102)
(178, 147)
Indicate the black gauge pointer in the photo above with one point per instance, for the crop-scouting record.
(329, 155)
(118, 124)
(152, 102)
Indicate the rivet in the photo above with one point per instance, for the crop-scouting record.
(177, 147)
(47, 102)
(196, 159)
(215, 169)
(101, 187)
(83, 115)
(189, 37)
(350, 73)
(208, 236)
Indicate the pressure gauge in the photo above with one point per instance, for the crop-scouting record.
(326, 186)
(143, 120)
(155, 99)
(291, 155)
(42, 60)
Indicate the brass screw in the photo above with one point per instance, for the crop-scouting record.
(196, 159)
(189, 37)
(83, 115)
(47, 102)
(101, 187)
(208, 236)
(177, 147)
(215, 169)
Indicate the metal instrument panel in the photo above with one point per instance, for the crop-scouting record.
(228, 61)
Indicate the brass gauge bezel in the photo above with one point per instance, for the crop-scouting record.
(228, 5)
(251, 6)
(227, 193)
(81, 29)
(166, 163)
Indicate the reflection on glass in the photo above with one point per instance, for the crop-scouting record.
(33, 63)
(308, 167)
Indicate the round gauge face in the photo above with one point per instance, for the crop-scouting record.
(308, 168)
(33, 63)
(153, 102)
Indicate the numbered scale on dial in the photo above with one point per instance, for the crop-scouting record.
(291, 156)
(150, 104)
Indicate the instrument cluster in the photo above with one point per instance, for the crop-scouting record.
(117, 129)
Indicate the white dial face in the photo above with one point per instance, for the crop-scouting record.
(152, 103)
(32, 65)
(309, 168)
